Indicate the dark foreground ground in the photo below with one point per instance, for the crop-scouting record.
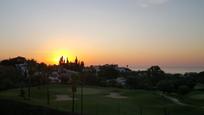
(100, 101)
(8, 107)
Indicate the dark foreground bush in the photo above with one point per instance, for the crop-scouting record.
(8, 107)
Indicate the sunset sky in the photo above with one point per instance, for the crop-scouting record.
(126, 32)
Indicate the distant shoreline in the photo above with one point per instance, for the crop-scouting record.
(175, 69)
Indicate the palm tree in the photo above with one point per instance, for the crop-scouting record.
(32, 66)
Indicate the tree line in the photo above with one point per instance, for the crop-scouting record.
(151, 79)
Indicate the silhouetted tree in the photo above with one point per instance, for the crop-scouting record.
(32, 68)
(10, 77)
(200, 77)
(108, 72)
(166, 86)
(67, 62)
(76, 60)
(156, 74)
(61, 61)
(82, 64)
(183, 89)
(13, 61)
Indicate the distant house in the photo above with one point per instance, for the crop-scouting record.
(118, 82)
(54, 80)
(121, 81)
(54, 77)
(61, 74)
(23, 68)
(98, 68)
(123, 69)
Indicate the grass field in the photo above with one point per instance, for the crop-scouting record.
(96, 102)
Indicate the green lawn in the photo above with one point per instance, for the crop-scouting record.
(138, 102)
(195, 98)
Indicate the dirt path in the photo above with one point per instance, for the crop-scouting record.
(175, 100)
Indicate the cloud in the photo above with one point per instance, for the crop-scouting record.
(147, 3)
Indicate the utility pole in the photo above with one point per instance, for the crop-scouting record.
(73, 94)
(82, 85)
(29, 85)
(48, 95)
(22, 91)
(47, 88)
(29, 82)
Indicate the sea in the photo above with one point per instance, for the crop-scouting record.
(173, 69)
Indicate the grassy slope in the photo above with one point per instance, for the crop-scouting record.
(95, 102)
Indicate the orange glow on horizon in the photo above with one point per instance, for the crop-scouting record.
(56, 55)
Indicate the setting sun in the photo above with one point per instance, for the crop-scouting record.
(58, 53)
(99, 57)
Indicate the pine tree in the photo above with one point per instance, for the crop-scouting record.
(76, 60)
(61, 61)
(67, 61)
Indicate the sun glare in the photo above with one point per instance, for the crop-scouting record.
(59, 53)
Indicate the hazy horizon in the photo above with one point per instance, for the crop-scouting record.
(124, 32)
(173, 69)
